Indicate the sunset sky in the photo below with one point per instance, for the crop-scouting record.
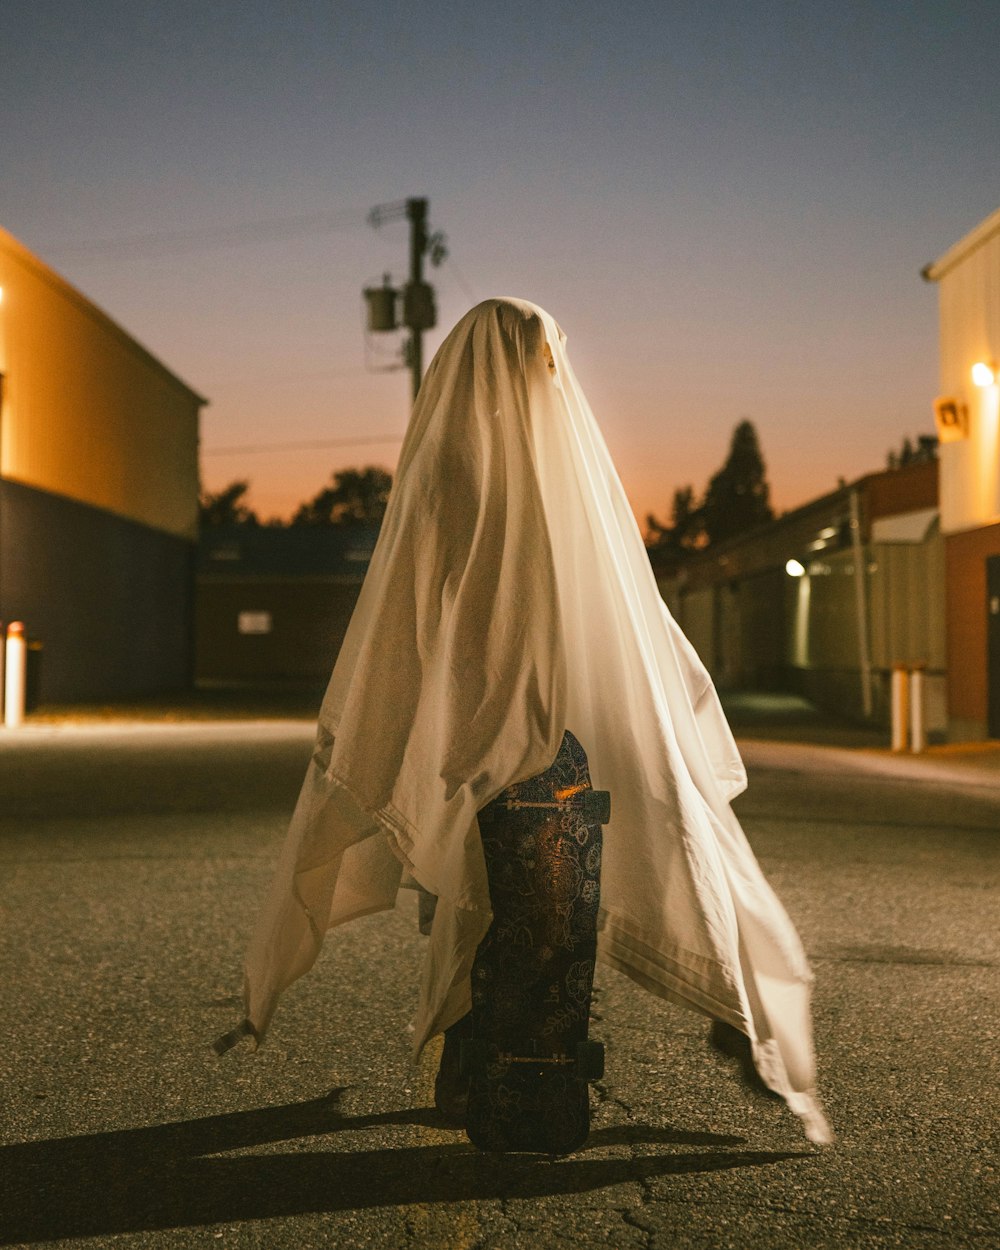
(726, 206)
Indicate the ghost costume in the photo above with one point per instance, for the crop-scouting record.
(509, 598)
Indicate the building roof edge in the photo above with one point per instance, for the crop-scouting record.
(976, 237)
(26, 257)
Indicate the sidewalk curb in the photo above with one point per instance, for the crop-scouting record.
(974, 768)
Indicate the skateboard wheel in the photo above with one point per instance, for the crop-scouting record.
(596, 807)
(589, 1060)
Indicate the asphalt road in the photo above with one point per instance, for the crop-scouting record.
(132, 861)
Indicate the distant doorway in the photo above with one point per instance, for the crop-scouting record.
(993, 643)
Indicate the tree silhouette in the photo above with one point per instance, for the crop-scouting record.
(226, 507)
(686, 529)
(926, 449)
(354, 497)
(738, 496)
(687, 526)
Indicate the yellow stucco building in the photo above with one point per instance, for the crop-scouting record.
(98, 491)
(968, 417)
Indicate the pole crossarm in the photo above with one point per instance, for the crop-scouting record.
(382, 213)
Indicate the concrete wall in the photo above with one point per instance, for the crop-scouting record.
(112, 601)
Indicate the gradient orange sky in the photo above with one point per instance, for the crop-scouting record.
(726, 206)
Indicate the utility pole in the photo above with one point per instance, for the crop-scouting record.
(419, 312)
(416, 211)
(861, 604)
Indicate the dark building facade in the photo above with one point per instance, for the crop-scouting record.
(109, 600)
(274, 603)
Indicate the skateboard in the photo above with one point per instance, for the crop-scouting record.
(529, 1059)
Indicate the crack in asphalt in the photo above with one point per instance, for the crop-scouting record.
(847, 1219)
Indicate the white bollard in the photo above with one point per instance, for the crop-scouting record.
(918, 726)
(15, 675)
(900, 705)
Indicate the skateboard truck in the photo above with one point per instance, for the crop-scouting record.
(592, 806)
(586, 1058)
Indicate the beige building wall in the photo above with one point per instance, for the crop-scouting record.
(87, 413)
(968, 278)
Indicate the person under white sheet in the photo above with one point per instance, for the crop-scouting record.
(509, 597)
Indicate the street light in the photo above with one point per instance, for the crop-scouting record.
(983, 374)
(794, 568)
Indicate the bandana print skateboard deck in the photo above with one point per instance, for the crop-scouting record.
(529, 1059)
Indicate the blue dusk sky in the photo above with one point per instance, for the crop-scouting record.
(726, 206)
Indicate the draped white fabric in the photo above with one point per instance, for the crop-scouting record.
(509, 598)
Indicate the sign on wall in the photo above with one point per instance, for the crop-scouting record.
(254, 622)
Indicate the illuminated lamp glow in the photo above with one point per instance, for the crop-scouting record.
(983, 374)
(1, 294)
(794, 568)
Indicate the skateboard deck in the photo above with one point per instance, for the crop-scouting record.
(529, 1058)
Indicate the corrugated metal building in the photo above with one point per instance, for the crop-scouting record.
(98, 492)
(968, 414)
(868, 595)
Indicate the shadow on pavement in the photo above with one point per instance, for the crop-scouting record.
(157, 1178)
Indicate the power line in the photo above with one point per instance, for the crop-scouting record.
(305, 445)
(284, 379)
(460, 278)
(272, 229)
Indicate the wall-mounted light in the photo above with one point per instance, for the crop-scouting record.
(983, 374)
(794, 568)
